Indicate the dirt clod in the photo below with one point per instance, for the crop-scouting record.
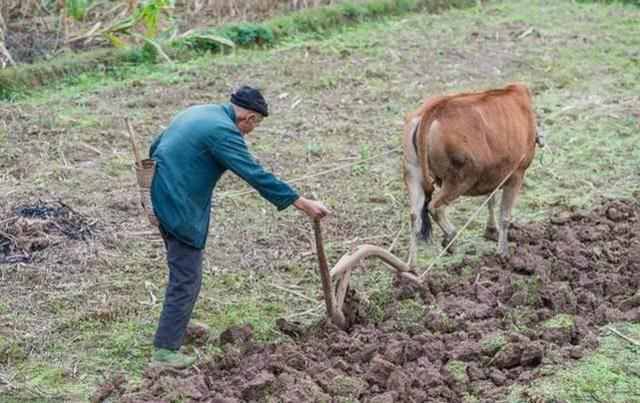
(112, 385)
(197, 333)
(236, 335)
(532, 354)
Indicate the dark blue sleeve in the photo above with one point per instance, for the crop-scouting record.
(232, 153)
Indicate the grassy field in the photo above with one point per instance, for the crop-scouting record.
(72, 314)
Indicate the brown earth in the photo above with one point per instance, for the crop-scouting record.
(492, 323)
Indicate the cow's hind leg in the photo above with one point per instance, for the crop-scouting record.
(417, 199)
(509, 195)
(490, 231)
(442, 197)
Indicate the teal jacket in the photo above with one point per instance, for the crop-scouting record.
(191, 155)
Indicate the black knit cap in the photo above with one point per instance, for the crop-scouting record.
(252, 99)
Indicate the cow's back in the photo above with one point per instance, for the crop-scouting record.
(479, 136)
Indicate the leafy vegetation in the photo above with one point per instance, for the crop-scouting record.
(77, 8)
(494, 344)
(148, 14)
(458, 371)
(559, 321)
(375, 306)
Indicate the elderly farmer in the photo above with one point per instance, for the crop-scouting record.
(191, 155)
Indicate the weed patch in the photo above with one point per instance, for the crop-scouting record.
(559, 321)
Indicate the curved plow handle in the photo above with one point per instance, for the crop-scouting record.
(333, 311)
(334, 300)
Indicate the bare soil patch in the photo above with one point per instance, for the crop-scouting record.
(492, 323)
(29, 230)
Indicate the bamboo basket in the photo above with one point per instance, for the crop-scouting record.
(145, 169)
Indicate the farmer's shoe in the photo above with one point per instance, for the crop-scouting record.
(171, 358)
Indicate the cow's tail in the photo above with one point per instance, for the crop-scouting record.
(424, 233)
(420, 140)
(426, 228)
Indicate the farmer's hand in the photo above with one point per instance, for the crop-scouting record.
(314, 209)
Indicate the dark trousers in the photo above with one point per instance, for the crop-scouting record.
(185, 277)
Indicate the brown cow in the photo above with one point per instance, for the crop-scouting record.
(468, 143)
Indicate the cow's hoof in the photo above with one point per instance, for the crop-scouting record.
(452, 248)
(491, 234)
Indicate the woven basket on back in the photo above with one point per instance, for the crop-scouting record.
(144, 172)
(145, 169)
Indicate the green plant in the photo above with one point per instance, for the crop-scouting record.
(375, 304)
(232, 35)
(410, 312)
(10, 351)
(248, 34)
(77, 8)
(559, 321)
(530, 287)
(519, 317)
(355, 11)
(148, 15)
(494, 344)
(314, 149)
(362, 167)
(458, 370)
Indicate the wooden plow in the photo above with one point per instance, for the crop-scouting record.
(334, 296)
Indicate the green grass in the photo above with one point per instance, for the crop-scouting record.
(375, 305)
(71, 365)
(519, 317)
(458, 370)
(10, 351)
(611, 374)
(494, 344)
(410, 312)
(559, 321)
(530, 287)
(83, 313)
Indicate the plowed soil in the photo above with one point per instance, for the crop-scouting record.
(491, 323)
